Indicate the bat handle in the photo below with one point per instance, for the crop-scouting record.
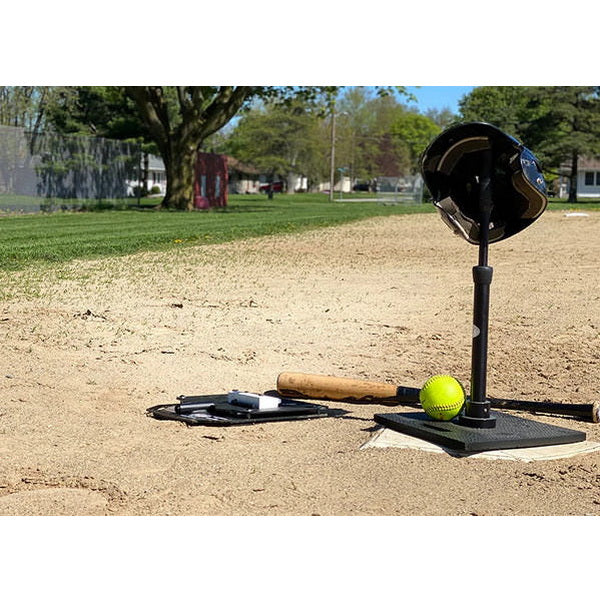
(587, 412)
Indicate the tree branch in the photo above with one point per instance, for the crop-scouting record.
(153, 111)
(224, 106)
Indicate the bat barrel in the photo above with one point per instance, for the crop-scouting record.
(302, 385)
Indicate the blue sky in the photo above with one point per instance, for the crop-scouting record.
(431, 96)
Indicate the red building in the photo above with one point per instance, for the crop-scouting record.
(210, 181)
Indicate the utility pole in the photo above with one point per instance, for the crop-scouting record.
(332, 164)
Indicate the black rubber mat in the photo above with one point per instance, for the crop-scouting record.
(510, 432)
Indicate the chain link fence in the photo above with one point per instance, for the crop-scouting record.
(48, 172)
(407, 189)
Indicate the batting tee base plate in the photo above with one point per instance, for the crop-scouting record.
(510, 432)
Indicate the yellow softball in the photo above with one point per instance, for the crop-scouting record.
(442, 397)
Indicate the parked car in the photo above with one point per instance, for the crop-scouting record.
(275, 186)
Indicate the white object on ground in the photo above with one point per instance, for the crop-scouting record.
(250, 400)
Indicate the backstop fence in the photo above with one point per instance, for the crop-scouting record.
(47, 171)
(406, 189)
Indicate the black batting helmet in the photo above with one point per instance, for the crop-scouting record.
(451, 168)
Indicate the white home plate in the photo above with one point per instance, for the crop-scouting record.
(388, 438)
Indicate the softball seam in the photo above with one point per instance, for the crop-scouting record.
(444, 407)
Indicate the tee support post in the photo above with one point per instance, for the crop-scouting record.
(477, 406)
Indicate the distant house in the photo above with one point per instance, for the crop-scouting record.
(588, 179)
(243, 179)
(246, 179)
(153, 171)
(342, 184)
(157, 174)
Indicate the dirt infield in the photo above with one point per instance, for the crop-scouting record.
(87, 348)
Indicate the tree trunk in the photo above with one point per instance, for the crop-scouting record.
(291, 183)
(202, 111)
(145, 169)
(179, 167)
(573, 178)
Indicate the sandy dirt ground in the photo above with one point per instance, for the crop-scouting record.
(88, 347)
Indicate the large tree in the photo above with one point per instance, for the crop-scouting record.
(559, 123)
(565, 128)
(180, 119)
(504, 106)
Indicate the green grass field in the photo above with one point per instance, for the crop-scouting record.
(52, 238)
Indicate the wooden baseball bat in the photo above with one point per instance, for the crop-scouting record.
(344, 389)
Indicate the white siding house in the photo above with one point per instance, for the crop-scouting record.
(156, 176)
(588, 179)
(588, 183)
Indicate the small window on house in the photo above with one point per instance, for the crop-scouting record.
(597, 177)
(589, 178)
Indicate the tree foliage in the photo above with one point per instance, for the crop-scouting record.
(282, 141)
(26, 106)
(98, 111)
(294, 136)
(561, 124)
(367, 145)
(375, 135)
(416, 131)
(443, 117)
(31, 107)
(503, 106)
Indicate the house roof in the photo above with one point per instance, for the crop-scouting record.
(589, 163)
(155, 163)
(236, 165)
(584, 162)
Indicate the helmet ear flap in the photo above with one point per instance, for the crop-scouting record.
(463, 225)
(451, 168)
(459, 223)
